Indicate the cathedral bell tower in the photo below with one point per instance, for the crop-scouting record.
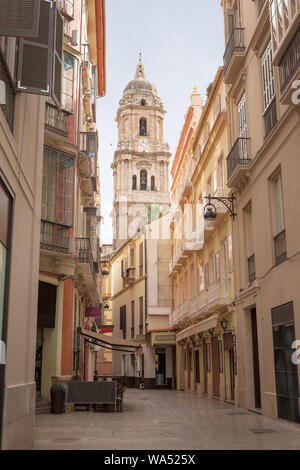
(141, 161)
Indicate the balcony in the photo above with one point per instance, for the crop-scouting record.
(56, 237)
(89, 143)
(56, 121)
(8, 107)
(280, 248)
(212, 300)
(234, 55)
(67, 8)
(289, 68)
(238, 161)
(84, 257)
(128, 276)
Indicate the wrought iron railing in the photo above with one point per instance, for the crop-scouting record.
(84, 254)
(235, 44)
(239, 155)
(89, 143)
(260, 6)
(8, 107)
(56, 121)
(290, 61)
(270, 117)
(67, 8)
(280, 248)
(55, 237)
(251, 268)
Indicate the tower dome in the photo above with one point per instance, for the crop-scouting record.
(140, 88)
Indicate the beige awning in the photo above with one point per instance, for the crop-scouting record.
(116, 343)
(163, 338)
(203, 325)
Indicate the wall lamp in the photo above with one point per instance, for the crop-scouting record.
(224, 323)
(211, 331)
(210, 211)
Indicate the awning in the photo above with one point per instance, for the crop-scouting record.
(163, 338)
(203, 325)
(108, 342)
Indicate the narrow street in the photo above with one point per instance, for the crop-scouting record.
(175, 420)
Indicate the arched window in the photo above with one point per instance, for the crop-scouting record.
(143, 180)
(152, 183)
(143, 127)
(143, 103)
(134, 182)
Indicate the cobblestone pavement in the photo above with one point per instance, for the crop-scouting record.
(158, 419)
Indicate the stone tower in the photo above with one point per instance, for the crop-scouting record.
(141, 161)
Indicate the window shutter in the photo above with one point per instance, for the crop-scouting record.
(19, 18)
(35, 55)
(58, 61)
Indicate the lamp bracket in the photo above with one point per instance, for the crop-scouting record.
(226, 201)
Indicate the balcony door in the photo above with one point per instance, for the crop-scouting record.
(243, 127)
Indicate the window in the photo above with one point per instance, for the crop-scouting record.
(143, 103)
(58, 187)
(268, 77)
(68, 84)
(132, 260)
(282, 13)
(206, 276)
(134, 182)
(249, 242)
(220, 175)
(211, 269)
(152, 183)
(141, 325)
(132, 319)
(143, 180)
(143, 127)
(141, 259)
(123, 320)
(270, 112)
(217, 266)
(192, 281)
(242, 118)
(201, 284)
(132, 365)
(279, 235)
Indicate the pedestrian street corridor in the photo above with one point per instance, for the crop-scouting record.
(165, 420)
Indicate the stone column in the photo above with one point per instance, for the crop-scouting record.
(166, 178)
(122, 175)
(118, 176)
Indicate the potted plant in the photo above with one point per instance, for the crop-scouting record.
(58, 396)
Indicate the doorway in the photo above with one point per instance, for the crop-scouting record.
(256, 373)
(215, 366)
(286, 370)
(205, 362)
(229, 366)
(160, 366)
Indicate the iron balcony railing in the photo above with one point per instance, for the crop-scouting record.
(280, 247)
(89, 143)
(67, 8)
(84, 254)
(290, 62)
(235, 44)
(56, 121)
(55, 237)
(270, 117)
(251, 268)
(238, 156)
(260, 6)
(8, 107)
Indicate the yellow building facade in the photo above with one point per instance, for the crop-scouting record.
(201, 269)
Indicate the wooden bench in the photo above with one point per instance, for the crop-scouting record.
(94, 394)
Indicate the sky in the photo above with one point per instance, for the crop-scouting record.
(182, 45)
